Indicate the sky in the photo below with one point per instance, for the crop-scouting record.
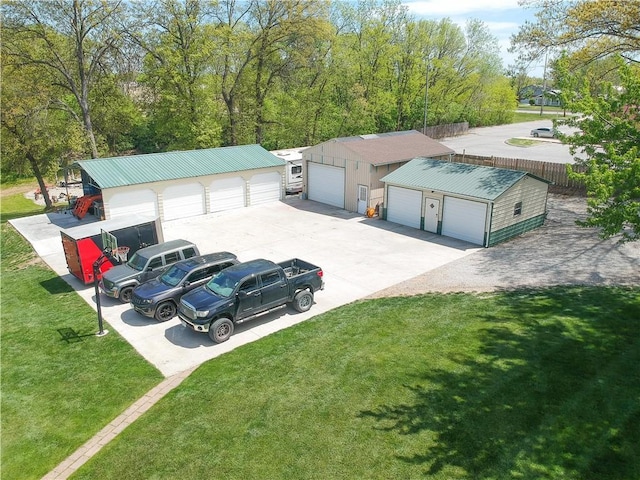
(502, 17)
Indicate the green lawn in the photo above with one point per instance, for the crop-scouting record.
(527, 384)
(55, 395)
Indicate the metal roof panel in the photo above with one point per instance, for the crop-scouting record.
(477, 181)
(156, 167)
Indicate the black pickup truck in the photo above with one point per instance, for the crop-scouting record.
(246, 290)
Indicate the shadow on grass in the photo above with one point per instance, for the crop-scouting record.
(56, 286)
(552, 392)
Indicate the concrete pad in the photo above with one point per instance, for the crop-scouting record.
(359, 256)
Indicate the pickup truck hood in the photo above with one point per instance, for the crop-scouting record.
(152, 289)
(202, 298)
(119, 273)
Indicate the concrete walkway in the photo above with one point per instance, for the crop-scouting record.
(85, 452)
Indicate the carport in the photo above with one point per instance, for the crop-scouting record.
(174, 185)
(480, 205)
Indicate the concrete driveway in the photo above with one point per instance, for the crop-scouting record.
(359, 256)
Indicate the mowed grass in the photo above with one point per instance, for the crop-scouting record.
(55, 395)
(526, 384)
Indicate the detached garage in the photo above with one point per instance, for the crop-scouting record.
(480, 205)
(175, 185)
(345, 172)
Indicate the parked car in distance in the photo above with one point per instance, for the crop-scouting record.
(158, 298)
(543, 132)
(145, 264)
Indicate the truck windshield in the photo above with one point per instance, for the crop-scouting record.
(173, 276)
(222, 285)
(137, 262)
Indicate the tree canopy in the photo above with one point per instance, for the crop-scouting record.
(607, 142)
(161, 75)
(584, 31)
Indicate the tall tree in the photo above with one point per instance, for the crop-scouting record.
(36, 136)
(178, 44)
(76, 40)
(608, 145)
(585, 30)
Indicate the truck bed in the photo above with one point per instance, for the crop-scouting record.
(296, 266)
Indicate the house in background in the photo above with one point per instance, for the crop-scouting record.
(532, 95)
(481, 205)
(346, 172)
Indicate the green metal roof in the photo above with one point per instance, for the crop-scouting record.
(476, 181)
(156, 167)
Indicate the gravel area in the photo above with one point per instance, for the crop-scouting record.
(558, 253)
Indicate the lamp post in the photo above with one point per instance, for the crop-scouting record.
(96, 273)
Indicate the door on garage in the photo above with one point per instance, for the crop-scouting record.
(180, 201)
(326, 184)
(404, 206)
(137, 202)
(227, 194)
(265, 188)
(431, 214)
(363, 195)
(464, 219)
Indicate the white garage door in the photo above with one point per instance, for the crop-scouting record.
(265, 188)
(403, 206)
(227, 194)
(326, 184)
(180, 201)
(137, 202)
(464, 219)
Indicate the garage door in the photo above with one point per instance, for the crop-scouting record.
(326, 184)
(464, 219)
(180, 201)
(265, 188)
(227, 194)
(137, 202)
(404, 206)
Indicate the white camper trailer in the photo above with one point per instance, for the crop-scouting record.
(293, 169)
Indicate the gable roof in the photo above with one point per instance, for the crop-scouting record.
(156, 167)
(477, 181)
(391, 147)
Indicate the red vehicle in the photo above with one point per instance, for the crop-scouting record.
(83, 245)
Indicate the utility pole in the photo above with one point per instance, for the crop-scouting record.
(544, 80)
(426, 98)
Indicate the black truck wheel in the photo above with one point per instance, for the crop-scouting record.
(165, 311)
(221, 330)
(125, 294)
(303, 300)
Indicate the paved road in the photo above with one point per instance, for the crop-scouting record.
(491, 141)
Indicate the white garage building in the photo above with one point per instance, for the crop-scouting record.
(187, 183)
(481, 205)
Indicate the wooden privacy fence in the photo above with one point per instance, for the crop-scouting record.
(554, 172)
(448, 130)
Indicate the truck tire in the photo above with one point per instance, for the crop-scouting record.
(303, 301)
(221, 330)
(125, 294)
(165, 311)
